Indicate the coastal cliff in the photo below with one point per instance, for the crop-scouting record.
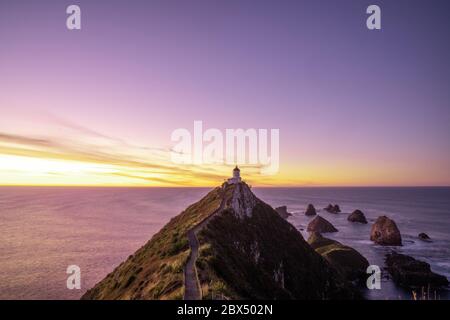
(228, 245)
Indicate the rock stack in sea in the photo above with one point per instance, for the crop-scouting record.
(385, 232)
(333, 208)
(282, 211)
(321, 225)
(411, 273)
(357, 216)
(424, 237)
(310, 210)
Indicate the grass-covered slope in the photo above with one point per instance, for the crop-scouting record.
(155, 271)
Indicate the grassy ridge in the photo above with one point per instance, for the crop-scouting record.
(250, 253)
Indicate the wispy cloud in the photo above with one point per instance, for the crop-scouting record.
(101, 159)
(135, 164)
(17, 139)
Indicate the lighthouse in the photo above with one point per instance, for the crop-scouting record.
(236, 176)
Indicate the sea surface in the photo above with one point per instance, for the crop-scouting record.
(44, 230)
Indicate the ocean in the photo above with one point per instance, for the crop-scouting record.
(43, 230)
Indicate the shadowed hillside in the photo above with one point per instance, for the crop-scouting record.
(250, 252)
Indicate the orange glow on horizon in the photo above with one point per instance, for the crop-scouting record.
(30, 161)
(29, 171)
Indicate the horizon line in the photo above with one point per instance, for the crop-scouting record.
(213, 186)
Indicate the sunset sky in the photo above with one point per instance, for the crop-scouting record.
(97, 106)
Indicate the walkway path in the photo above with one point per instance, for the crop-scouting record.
(192, 290)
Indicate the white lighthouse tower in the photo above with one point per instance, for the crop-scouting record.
(236, 176)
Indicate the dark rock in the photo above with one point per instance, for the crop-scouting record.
(385, 232)
(349, 262)
(411, 273)
(310, 211)
(320, 225)
(357, 216)
(282, 211)
(424, 237)
(333, 209)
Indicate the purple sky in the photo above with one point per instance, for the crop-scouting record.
(345, 99)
